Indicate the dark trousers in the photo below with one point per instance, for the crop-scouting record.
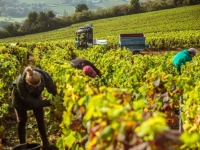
(22, 119)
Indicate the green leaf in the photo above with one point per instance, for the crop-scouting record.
(107, 132)
(114, 113)
(190, 138)
(140, 104)
(60, 143)
(69, 140)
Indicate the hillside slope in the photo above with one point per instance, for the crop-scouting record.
(178, 20)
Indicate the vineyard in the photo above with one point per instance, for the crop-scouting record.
(125, 109)
(165, 29)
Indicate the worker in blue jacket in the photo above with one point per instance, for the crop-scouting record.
(182, 57)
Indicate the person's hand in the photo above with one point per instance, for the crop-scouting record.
(57, 104)
(53, 103)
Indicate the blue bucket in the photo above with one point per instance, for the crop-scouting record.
(27, 146)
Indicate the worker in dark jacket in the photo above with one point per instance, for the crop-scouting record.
(88, 68)
(26, 95)
(182, 57)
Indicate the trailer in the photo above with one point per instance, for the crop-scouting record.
(133, 41)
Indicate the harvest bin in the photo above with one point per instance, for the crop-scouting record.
(134, 42)
(27, 146)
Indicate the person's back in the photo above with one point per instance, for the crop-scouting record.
(182, 57)
(88, 67)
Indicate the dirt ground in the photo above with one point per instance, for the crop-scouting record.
(10, 137)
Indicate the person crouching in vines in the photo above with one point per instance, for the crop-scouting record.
(88, 67)
(182, 57)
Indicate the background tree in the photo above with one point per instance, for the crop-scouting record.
(32, 18)
(193, 2)
(135, 6)
(4, 34)
(81, 7)
(50, 14)
(178, 3)
(11, 29)
(42, 20)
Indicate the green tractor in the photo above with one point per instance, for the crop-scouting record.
(84, 38)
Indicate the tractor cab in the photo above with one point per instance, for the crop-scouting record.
(84, 37)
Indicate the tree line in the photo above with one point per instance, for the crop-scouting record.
(46, 21)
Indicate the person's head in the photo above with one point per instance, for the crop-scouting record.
(89, 71)
(192, 52)
(33, 78)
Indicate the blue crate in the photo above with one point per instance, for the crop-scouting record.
(134, 41)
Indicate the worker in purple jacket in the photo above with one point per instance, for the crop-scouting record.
(88, 68)
(26, 95)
